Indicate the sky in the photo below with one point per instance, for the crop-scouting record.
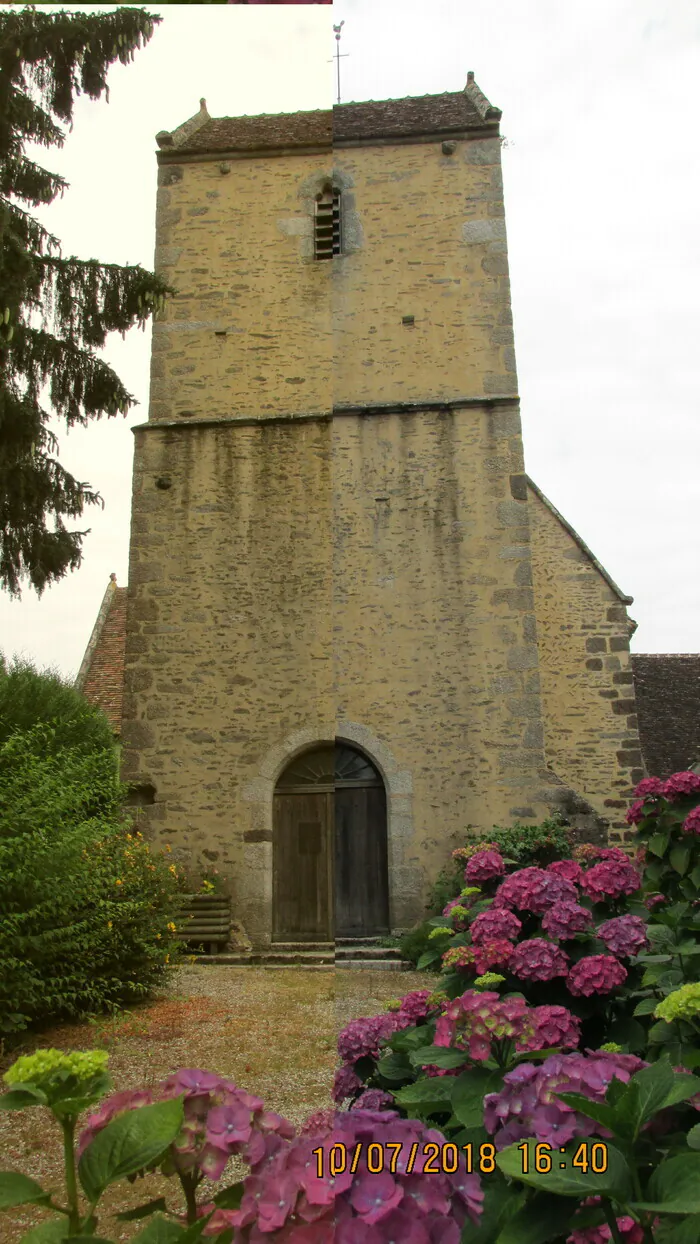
(601, 112)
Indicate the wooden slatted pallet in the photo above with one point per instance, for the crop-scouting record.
(205, 919)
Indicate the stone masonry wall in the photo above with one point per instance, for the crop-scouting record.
(228, 633)
(434, 621)
(424, 236)
(591, 735)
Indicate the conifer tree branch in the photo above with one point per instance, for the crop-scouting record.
(54, 310)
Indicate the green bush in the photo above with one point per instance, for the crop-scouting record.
(28, 697)
(414, 943)
(536, 845)
(84, 904)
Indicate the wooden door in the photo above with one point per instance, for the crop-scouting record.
(302, 863)
(361, 882)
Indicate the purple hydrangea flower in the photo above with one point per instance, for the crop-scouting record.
(496, 922)
(477, 1018)
(534, 889)
(568, 869)
(648, 787)
(691, 824)
(624, 935)
(527, 1106)
(595, 974)
(345, 1084)
(554, 1025)
(374, 1099)
(684, 783)
(483, 867)
(610, 879)
(636, 813)
(538, 960)
(362, 1038)
(565, 919)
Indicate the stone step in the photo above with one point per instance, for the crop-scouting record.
(366, 952)
(326, 948)
(261, 959)
(245, 961)
(375, 965)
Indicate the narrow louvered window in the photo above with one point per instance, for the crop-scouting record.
(327, 238)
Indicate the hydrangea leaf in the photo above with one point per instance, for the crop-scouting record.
(130, 1142)
(674, 1187)
(18, 1189)
(438, 1056)
(565, 1179)
(468, 1092)
(693, 1137)
(160, 1231)
(542, 1219)
(680, 858)
(602, 1112)
(21, 1096)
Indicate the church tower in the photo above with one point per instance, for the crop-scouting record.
(332, 664)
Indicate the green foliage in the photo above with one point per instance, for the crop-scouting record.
(84, 904)
(416, 943)
(55, 311)
(536, 845)
(28, 696)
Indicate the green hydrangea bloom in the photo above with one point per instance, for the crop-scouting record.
(611, 1047)
(459, 912)
(394, 1004)
(439, 932)
(683, 1003)
(44, 1067)
(488, 980)
(469, 889)
(439, 998)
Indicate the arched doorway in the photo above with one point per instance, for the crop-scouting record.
(329, 848)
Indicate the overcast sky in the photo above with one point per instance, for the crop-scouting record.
(601, 106)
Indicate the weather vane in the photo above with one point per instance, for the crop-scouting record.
(338, 53)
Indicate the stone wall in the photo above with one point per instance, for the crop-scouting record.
(591, 730)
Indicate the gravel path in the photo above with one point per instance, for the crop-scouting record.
(273, 1032)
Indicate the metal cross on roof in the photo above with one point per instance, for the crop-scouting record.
(338, 54)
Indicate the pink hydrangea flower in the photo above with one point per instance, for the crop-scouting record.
(653, 900)
(684, 783)
(635, 814)
(595, 974)
(569, 869)
(362, 1038)
(534, 889)
(477, 1018)
(459, 957)
(565, 919)
(496, 922)
(630, 1232)
(495, 953)
(373, 1099)
(624, 935)
(691, 824)
(554, 1025)
(483, 867)
(345, 1083)
(538, 960)
(610, 879)
(284, 1197)
(648, 787)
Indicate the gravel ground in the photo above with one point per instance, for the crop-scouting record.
(273, 1032)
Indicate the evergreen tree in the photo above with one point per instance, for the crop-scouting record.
(54, 311)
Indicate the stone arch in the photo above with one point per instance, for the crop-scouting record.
(406, 881)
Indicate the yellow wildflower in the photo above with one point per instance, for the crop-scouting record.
(118, 882)
(172, 927)
(168, 847)
(172, 869)
(109, 924)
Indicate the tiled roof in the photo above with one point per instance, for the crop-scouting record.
(101, 675)
(452, 111)
(667, 690)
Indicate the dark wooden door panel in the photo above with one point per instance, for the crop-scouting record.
(361, 891)
(301, 867)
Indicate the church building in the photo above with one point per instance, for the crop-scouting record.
(355, 630)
